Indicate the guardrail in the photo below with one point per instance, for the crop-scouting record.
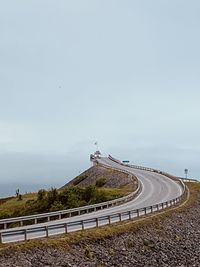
(188, 180)
(58, 215)
(46, 231)
(153, 170)
(133, 166)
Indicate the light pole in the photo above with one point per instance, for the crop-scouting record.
(96, 144)
(186, 173)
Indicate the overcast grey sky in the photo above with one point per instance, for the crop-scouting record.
(125, 73)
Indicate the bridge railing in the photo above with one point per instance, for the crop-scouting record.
(190, 180)
(133, 166)
(58, 215)
(153, 170)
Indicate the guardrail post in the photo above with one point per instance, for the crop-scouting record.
(48, 218)
(138, 213)
(1, 238)
(162, 206)
(129, 215)
(82, 225)
(5, 226)
(35, 220)
(120, 217)
(25, 234)
(47, 231)
(109, 219)
(66, 230)
(151, 209)
(97, 222)
(59, 217)
(145, 210)
(21, 223)
(157, 206)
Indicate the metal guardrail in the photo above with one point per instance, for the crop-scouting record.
(46, 231)
(34, 219)
(152, 170)
(188, 180)
(133, 166)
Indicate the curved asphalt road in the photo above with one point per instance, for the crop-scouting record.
(156, 188)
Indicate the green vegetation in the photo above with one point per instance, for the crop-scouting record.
(53, 200)
(20, 197)
(87, 253)
(145, 242)
(11, 207)
(100, 182)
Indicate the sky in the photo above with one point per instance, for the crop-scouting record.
(123, 73)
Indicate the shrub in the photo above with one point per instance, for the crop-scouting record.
(90, 193)
(87, 253)
(57, 205)
(145, 242)
(19, 197)
(41, 194)
(100, 182)
(52, 196)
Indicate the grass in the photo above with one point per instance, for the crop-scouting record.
(96, 234)
(128, 188)
(13, 206)
(112, 193)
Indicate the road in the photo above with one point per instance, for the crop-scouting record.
(156, 188)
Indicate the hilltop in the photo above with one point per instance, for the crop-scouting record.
(107, 178)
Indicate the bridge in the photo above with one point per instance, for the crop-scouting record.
(156, 191)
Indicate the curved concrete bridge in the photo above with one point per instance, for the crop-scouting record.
(157, 192)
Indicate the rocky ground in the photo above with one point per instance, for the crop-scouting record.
(165, 241)
(113, 178)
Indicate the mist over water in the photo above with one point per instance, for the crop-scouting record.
(30, 172)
